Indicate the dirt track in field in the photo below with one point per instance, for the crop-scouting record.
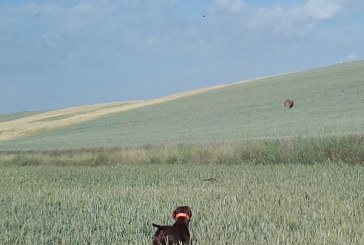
(16, 128)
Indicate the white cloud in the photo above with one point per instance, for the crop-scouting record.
(278, 18)
(295, 18)
(323, 9)
(350, 57)
(234, 6)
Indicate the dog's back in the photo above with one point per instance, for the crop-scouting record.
(164, 235)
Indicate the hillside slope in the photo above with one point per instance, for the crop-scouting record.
(27, 123)
(328, 101)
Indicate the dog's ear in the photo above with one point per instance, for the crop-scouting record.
(174, 214)
(189, 211)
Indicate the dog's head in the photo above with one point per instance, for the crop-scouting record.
(183, 212)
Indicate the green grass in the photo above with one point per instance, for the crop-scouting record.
(348, 150)
(328, 102)
(254, 204)
(287, 176)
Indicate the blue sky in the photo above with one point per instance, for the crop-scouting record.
(57, 54)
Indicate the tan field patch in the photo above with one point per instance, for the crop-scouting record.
(60, 118)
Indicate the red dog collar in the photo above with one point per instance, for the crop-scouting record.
(183, 215)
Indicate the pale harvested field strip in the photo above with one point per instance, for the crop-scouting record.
(44, 121)
(60, 118)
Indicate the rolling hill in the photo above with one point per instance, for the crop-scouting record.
(328, 101)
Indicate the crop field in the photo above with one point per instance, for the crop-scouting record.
(102, 174)
(328, 102)
(14, 116)
(28, 123)
(253, 204)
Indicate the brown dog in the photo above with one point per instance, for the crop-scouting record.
(178, 233)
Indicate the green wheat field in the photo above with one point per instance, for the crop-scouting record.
(282, 176)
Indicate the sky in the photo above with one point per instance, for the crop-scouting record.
(59, 54)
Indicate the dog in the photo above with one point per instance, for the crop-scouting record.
(178, 233)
